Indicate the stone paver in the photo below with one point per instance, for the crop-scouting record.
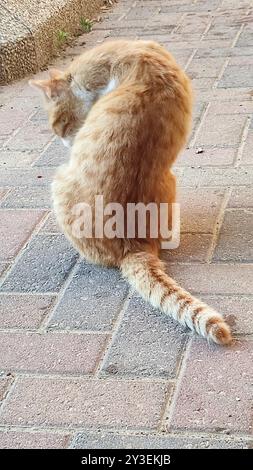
(29, 137)
(241, 197)
(54, 155)
(46, 353)
(85, 362)
(33, 440)
(24, 311)
(23, 177)
(206, 157)
(28, 197)
(92, 301)
(147, 344)
(216, 177)
(236, 237)
(56, 258)
(214, 278)
(220, 131)
(199, 208)
(89, 403)
(216, 390)
(14, 158)
(16, 227)
(106, 440)
(237, 76)
(193, 247)
(232, 107)
(12, 118)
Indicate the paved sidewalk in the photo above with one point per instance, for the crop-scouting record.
(85, 362)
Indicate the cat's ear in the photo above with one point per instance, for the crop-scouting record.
(52, 88)
(55, 74)
(42, 85)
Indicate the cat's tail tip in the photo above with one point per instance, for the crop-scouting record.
(220, 333)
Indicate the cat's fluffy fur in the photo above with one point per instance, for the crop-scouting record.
(127, 105)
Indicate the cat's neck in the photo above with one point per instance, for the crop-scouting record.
(111, 85)
(89, 97)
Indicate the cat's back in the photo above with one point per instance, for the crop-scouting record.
(150, 103)
(132, 62)
(138, 128)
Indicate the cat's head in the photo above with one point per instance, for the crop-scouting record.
(66, 111)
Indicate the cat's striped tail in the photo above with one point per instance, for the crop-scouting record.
(146, 274)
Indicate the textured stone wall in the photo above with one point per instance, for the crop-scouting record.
(28, 32)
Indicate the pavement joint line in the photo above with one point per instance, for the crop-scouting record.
(243, 139)
(23, 209)
(167, 404)
(181, 20)
(8, 393)
(172, 263)
(23, 247)
(198, 186)
(16, 131)
(214, 147)
(178, 167)
(6, 270)
(223, 68)
(240, 30)
(53, 138)
(32, 373)
(24, 294)
(127, 11)
(200, 125)
(128, 432)
(52, 234)
(33, 429)
(70, 439)
(237, 36)
(110, 340)
(45, 322)
(88, 377)
(207, 28)
(170, 434)
(246, 210)
(9, 190)
(55, 331)
(220, 263)
(190, 59)
(205, 263)
(46, 220)
(218, 224)
(171, 405)
(240, 208)
(10, 136)
(189, 232)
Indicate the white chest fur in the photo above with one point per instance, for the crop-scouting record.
(111, 85)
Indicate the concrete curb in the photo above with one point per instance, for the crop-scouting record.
(28, 32)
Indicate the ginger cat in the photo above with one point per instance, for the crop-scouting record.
(125, 107)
